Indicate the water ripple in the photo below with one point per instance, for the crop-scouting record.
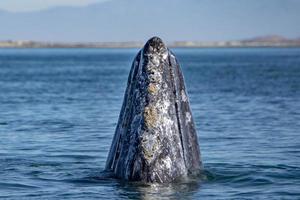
(59, 109)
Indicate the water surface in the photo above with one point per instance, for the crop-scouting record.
(59, 108)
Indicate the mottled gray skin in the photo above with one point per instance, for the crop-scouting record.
(155, 139)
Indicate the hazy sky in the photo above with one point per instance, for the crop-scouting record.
(33, 5)
(137, 20)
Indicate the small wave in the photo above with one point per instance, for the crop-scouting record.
(249, 175)
(75, 156)
(16, 186)
(94, 178)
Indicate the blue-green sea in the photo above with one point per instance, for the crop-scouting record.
(59, 109)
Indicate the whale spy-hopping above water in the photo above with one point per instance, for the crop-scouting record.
(155, 139)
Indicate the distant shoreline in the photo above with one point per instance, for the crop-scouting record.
(256, 42)
(122, 46)
(177, 47)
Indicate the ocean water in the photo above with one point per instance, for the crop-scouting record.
(59, 108)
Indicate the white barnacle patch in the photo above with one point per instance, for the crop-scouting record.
(183, 96)
(165, 55)
(155, 60)
(165, 107)
(168, 125)
(188, 117)
(167, 162)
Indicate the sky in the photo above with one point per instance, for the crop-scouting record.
(137, 20)
(35, 5)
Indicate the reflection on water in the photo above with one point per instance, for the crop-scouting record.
(184, 189)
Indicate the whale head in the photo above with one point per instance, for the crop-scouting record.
(155, 138)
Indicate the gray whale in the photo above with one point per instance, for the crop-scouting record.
(155, 138)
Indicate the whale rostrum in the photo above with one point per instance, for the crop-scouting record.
(155, 138)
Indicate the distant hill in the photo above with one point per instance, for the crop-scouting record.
(138, 20)
(263, 41)
(269, 38)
